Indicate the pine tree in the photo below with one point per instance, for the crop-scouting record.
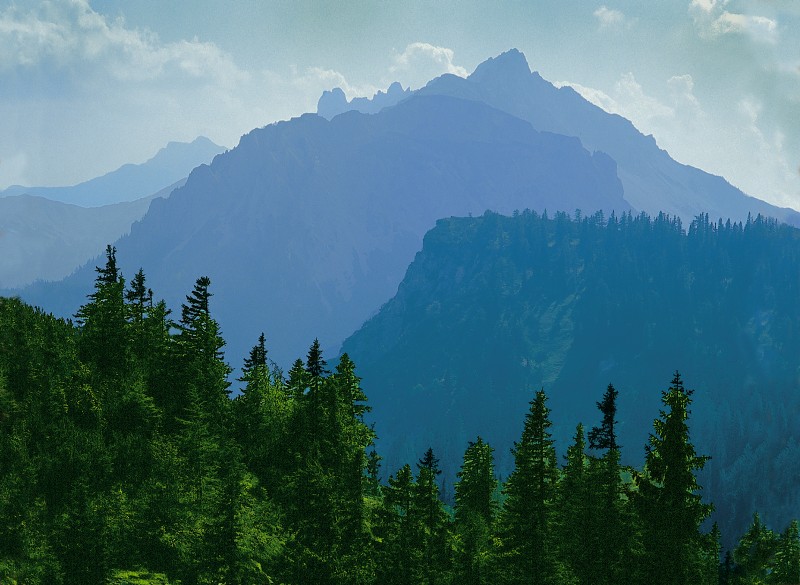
(399, 529)
(373, 473)
(786, 563)
(297, 384)
(667, 500)
(261, 415)
(607, 528)
(199, 344)
(435, 562)
(577, 515)
(755, 552)
(203, 417)
(103, 343)
(475, 511)
(526, 521)
(604, 437)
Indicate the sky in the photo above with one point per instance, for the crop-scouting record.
(89, 85)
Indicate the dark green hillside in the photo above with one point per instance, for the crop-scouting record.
(125, 460)
(496, 306)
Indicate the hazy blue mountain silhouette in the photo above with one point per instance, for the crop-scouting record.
(131, 181)
(494, 308)
(334, 102)
(652, 180)
(47, 240)
(307, 226)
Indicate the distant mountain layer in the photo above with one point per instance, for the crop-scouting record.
(42, 239)
(495, 307)
(334, 102)
(652, 180)
(307, 226)
(131, 182)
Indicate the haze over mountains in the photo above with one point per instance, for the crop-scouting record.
(48, 232)
(42, 239)
(307, 226)
(652, 180)
(130, 182)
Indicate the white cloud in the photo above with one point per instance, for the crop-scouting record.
(759, 28)
(68, 36)
(609, 18)
(91, 93)
(421, 62)
(596, 96)
(712, 20)
(637, 104)
(704, 5)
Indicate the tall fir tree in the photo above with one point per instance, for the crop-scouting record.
(527, 519)
(475, 512)
(399, 531)
(435, 562)
(608, 530)
(576, 517)
(667, 498)
(103, 341)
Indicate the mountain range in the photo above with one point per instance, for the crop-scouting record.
(48, 232)
(307, 226)
(653, 182)
(41, 239)
(130, 182)
(494, 308)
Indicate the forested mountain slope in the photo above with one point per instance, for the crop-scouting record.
(309, 225)
(495, 307)
(124, 460)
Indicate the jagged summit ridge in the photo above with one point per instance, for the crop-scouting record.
(334, 102)
(509, 65)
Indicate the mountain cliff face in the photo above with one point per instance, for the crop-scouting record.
(308, 225)
(494, 308)
(130, 182)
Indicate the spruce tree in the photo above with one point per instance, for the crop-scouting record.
(400, 553)
(604, 437)
(203, 417)
(607, 529)
(667, 498)
(103, 342)
(434, 535)
(526, 521)
(786, 562)
(475, 511)
(577, 517)
(261, 415)
(754, 553)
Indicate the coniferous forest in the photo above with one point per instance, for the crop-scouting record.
(125, 458)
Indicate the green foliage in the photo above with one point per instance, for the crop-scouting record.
(123, 460)
(475, 512)
(527, 519)
(667, 498)
(125, 577)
